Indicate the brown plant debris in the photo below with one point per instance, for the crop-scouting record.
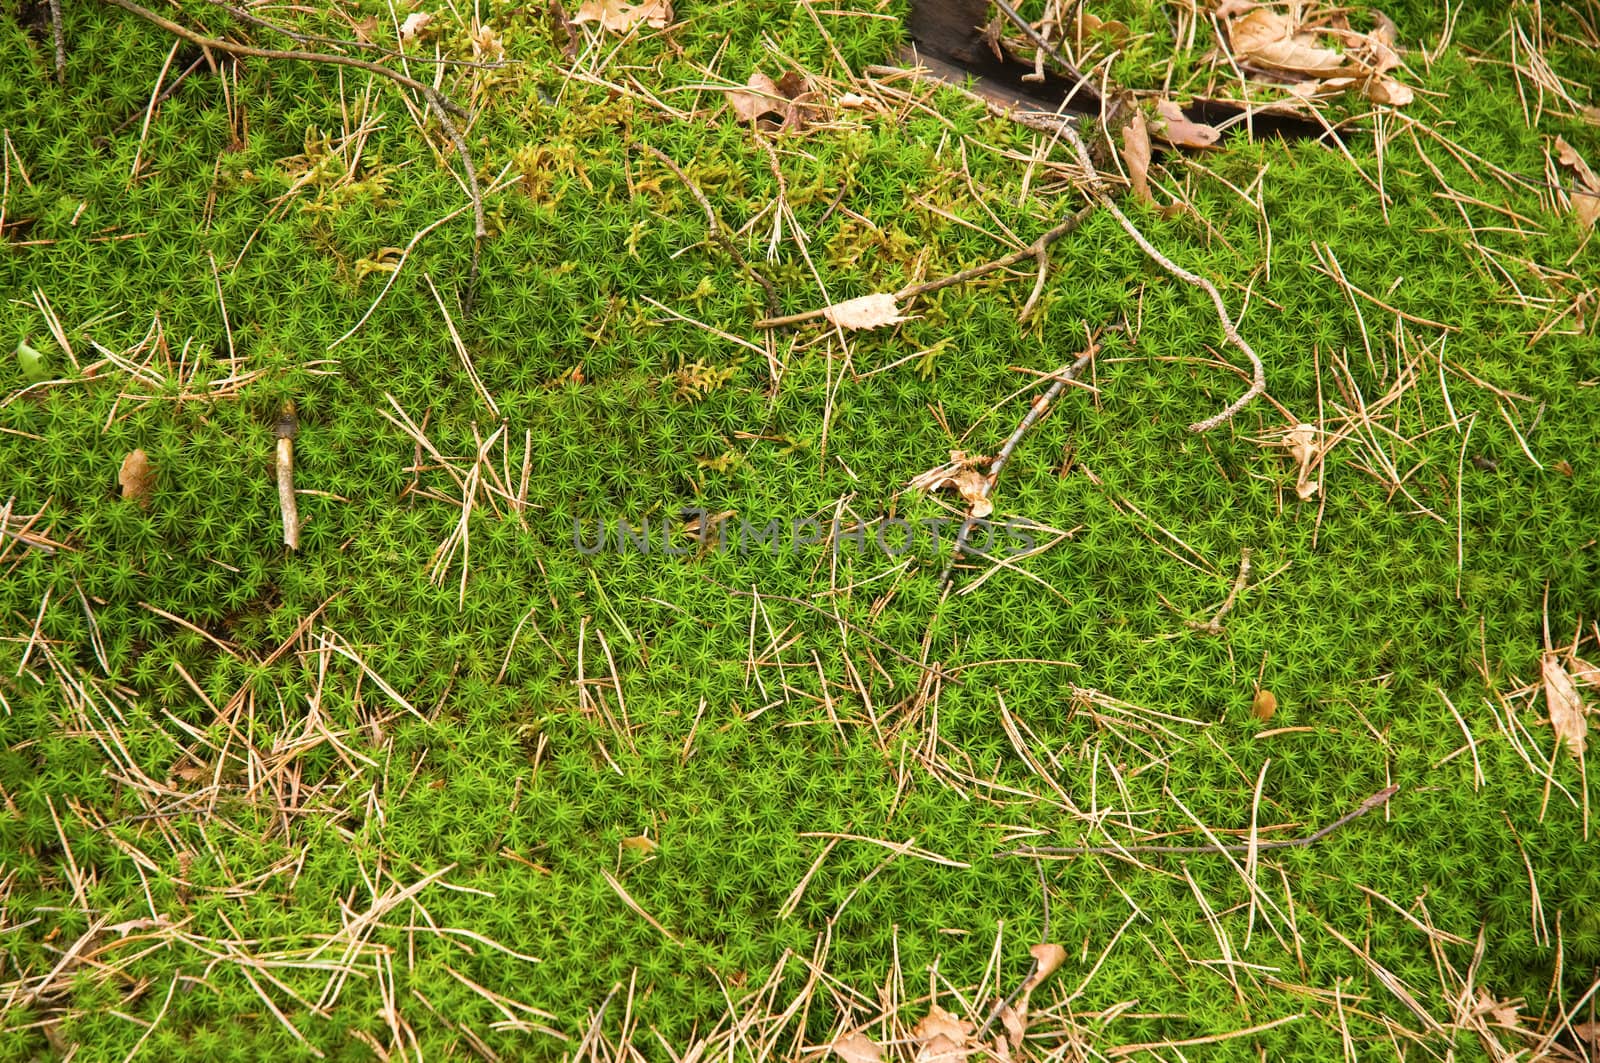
(1297, 45)
(791, 102)
(1136, 156)
(1586, 190)
(1176, 129)
(136, 477)
(1304, 449)
(1569, 717)
(1264, 705)
(960, 474)
(942, 1037)
(857, 1047)
(866, 312)
(619, 16)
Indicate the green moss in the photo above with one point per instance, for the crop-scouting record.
(501, 767)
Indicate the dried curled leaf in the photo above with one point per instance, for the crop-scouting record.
(866, 312)
(136, 477)
(960, 474)
(1267, 38)
(788, 103)
(857, 1047)
(758, 97)
(619, 16)
(1302, 443)
(487, 45)
(1049, 958)
(1015, 1022)
(1503, 1012)
(1136, 154)
(414, 25)
(1280, 44)
(1586, 191)
(1568, 715)
(640, 843)
(1389, 91)
(1176, 128)
(1087, 24)
(943, 1038)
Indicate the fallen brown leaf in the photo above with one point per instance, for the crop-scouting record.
(1585, 673)
(1568, 715)
(1389, 91)
(1176, 128)
(941, 1023)
(1087, 24)
(1586, 190)
(943, 1038)
(1504, 1012)
(619, 16)
(1048, 957)
(758, 97)
(857, 1048)
(974, 488)
(640, 843)
(1279, 42)
(1267, 38)
(487, 47)
(1136, 154)
(413, 26)
(960, 474)
(1015, 1022)
(790, 102)
(866, 312)
(136, 477)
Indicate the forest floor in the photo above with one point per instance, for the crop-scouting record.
(1261, 741)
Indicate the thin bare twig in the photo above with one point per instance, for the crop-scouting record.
(1062, 378)
(1214, 625)
(287, 426)
(58, 32)
(1258, 376)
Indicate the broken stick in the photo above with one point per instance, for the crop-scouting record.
(288, 425)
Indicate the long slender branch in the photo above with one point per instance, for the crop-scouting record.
(1096, 190)
(366, 46)
(1079, 81)
(1258, 376)
(1377, 800)
(233, 48)
(1214, 625)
